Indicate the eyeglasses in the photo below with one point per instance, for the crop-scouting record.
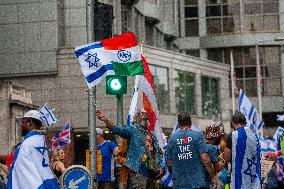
(143, 113)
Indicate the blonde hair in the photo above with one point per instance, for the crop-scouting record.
(55, 157)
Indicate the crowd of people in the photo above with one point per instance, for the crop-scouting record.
(208, 159)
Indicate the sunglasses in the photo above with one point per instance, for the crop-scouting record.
(143, 113)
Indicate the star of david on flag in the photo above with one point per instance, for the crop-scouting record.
(62, 138)
(47, 115)
(93, 60)
(253, 118)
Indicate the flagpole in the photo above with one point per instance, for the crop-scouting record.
(232, 81)
(92, 99)
(258, 71)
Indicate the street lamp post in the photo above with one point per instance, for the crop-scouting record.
(258, 72)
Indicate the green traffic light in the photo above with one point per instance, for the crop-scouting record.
(116, 85)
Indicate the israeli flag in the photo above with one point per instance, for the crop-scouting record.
(267, 146)
(30, 168)
(246, 167)
(167, 178)
(278, 133)
(254, 120)
(47, 115)
(133, 105)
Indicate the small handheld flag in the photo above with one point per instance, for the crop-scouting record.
(247, 108)
(62, 138)
(47, 115)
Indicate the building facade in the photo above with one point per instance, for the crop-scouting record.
(37, 55)
(213, 28)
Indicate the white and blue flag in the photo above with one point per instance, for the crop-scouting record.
(246, 166)
(133, 105)
(30, 168)
(47, 115)
(280, 117)
(254, 120)
(278, 133)
(267, 146)
(167, 178)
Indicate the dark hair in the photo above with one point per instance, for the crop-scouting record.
(37, 123)
(184, 118)
(239, 117)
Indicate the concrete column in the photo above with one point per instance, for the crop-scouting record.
(198, 95)
(182, 21)
(203, 53)
(202, 18)
(282, 69)
(242, 18)
(281, 16)
(117, 21)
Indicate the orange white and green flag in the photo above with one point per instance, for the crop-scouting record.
(119, 55)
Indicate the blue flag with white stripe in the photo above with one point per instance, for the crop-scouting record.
(246, 166)
(47, 115)
(254, 120)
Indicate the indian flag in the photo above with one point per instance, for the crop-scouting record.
(119, 55)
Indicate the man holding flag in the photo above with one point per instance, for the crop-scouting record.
(144, 156)
(30, 167)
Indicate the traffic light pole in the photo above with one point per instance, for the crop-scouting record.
(119, 109)
(92, 100)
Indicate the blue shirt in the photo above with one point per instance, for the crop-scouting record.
(184, 150)
(136, 147)
(213, 152)
(107, 161)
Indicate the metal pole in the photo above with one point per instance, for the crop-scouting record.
(119, 109)
(258, 71)
(232, 80)
(92, 99)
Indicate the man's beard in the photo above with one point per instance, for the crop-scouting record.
(144, 123)
(24, 132)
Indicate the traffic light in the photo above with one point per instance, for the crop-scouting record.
(116, 85)
(103, 17)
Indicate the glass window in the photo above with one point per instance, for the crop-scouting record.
(191, 28)
(253, 23)
(215, 55)
(270, 7)
(245, 67)
(160, 76)
(191, 18)
(191, 2)
(252, 8)
(261, 15)
(214, 26)
(184, 87)
(149, 30)
(191, 12)
(271, 22)
(193, 53)
(210, 97)
(213, 10)
(272, 87)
